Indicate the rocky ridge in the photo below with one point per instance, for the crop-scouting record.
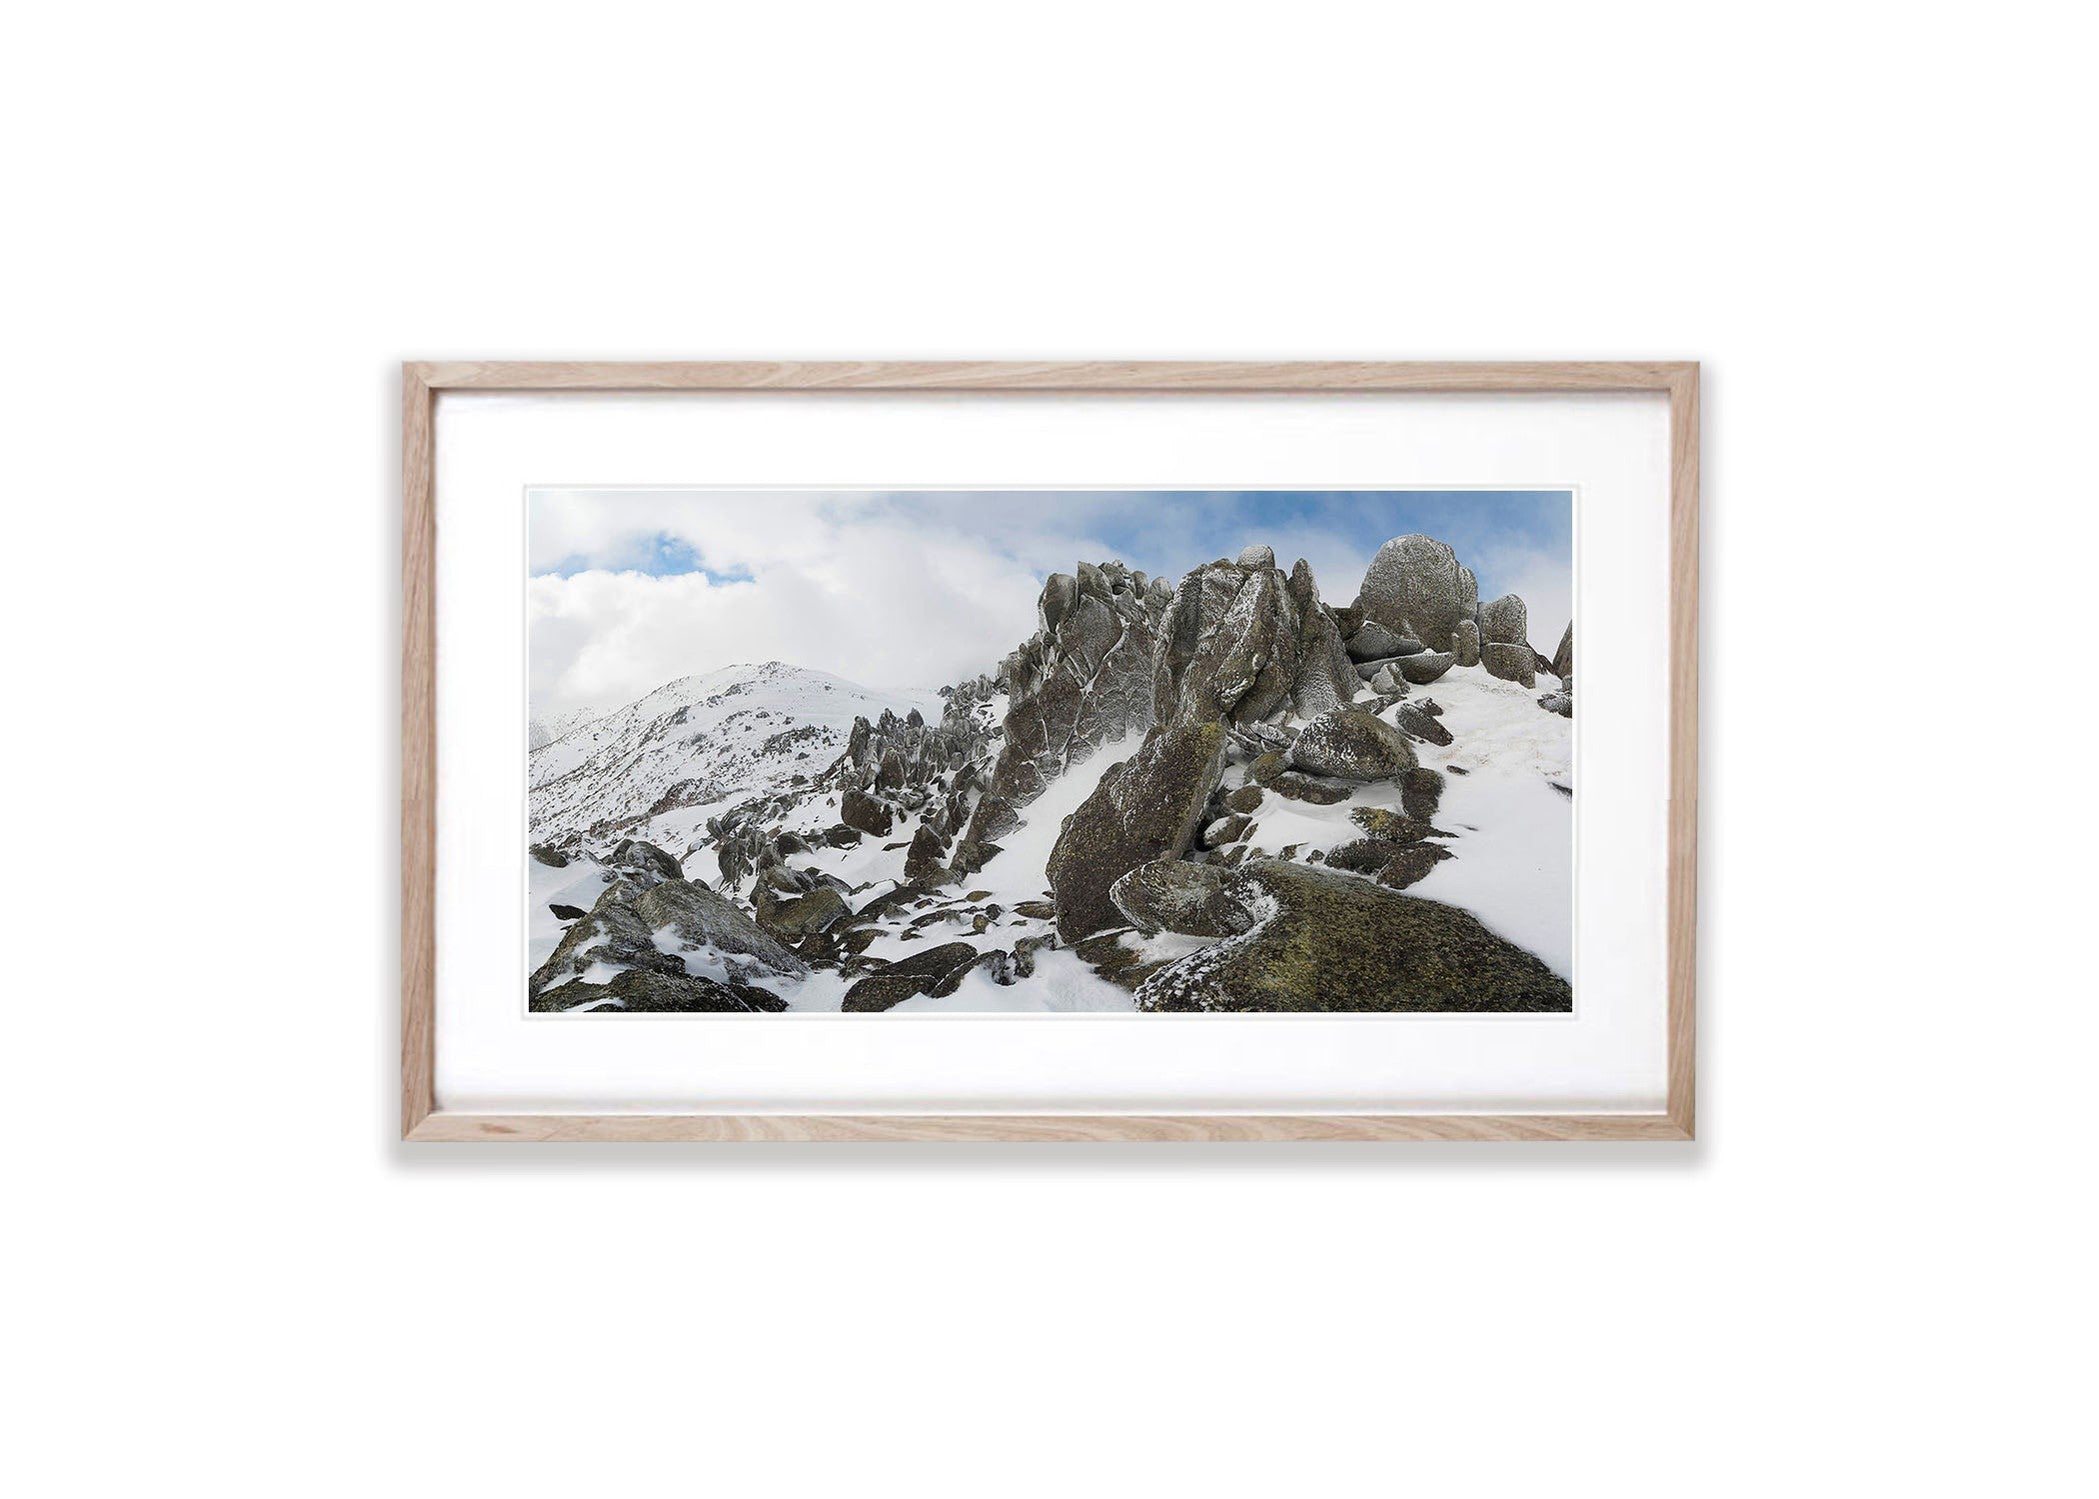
(1237, 699)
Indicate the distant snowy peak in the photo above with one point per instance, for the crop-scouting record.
(725, 734)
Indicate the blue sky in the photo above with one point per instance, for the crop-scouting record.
(632, 588)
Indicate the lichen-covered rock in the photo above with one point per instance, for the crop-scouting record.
(1465, 643)
(1563, 658)
(1323, 677)
(553, 858)
(1172, 895)
(1422, 724)
(639, 991)
(612, 934)
(1084, 679)
(1415, 587)
(1227, 829)
(1296, 786)
(1512, 663)
(647, 858)
(698, 915)
(928, 850)
(1424, 668)
(1351, 745)
(915, 975)
(1147, 807)
(1257, 556)
(1506, 621)
(1391, 826)
(1327, 941)
(1421, 792)
(1267, 766)
(1561, 703)
(1412, 864)
(856, 809)
(818, 911)
(1374, 642)
(1245, 798)
(1363, 855)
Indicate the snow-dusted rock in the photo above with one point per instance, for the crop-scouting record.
(1512, 663)
(1147, 807)
(1505, 621)
(698, 915)
(1415, 587)
(1563, 658)
(1351, 745)
(1173, 895)
(1465, 643)
(1373, 642)
(1257, 556)
(1332, 941)
(1424, 668)
(856, 809)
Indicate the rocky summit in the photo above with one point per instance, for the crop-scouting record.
(1210, 792)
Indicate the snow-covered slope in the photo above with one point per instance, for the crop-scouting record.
(724, 735)
(544, 730)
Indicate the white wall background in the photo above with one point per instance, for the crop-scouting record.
(229, 223)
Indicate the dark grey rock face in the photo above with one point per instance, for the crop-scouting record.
(928, 850)
(1374, 642)
(856, 809)
(1512, 663)
(1465, 643)
(647, 858)
(1147, 807)
(1422, 724)
(1561, 703)
(613, 934)
(1563, 658)
(1506, 621)
(1424, 668)
(1328, 941)
(1172, 895)
(700, 916)
(1082, 680)
(1415, 587)
(639, 991)
(1243, 644)
(1351, 745)
(915, 975)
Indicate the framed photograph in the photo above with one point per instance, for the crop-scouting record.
(1049, 751)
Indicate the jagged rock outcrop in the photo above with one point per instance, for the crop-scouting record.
(645, 859)
(1243, 644)
(1416, 587)
(1083, 679)
(1563, 658)
(1147, 807)
(1329, 941)
(1465, 643)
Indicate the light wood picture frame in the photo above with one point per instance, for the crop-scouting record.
(424, 382)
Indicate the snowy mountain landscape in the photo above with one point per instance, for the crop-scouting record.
(1215, 792)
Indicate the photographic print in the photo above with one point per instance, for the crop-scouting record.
(1164, 752)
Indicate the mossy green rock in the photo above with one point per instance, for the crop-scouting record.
(1148, 807)
(640, 992)
(1331, 941)
(708, 918)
